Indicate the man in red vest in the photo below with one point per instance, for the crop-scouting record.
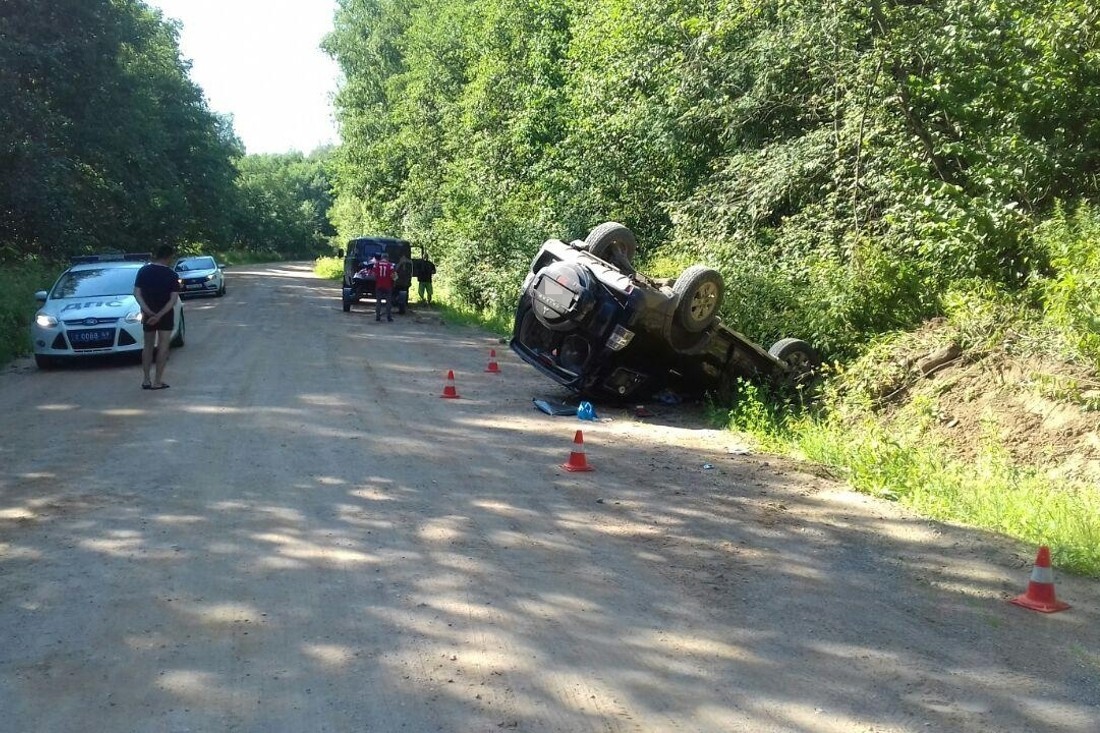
(384, 273)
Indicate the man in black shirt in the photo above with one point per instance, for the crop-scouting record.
(157, 291)
(424, 276)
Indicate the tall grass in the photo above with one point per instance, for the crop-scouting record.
(990, 492)
(899, 459)
(18, 284)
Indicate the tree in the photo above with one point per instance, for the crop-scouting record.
(284, 204)
(107, 143)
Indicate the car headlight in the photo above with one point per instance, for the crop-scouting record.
(133, 317)
(619, 338)
(210, 277)
(45, 320)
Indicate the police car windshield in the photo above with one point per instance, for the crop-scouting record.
(197, 263)
(96, 283)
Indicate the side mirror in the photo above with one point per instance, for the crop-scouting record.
(221, 266)
(40, 296)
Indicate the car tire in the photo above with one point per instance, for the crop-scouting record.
(800, 358)
(698, 292)
(614, 243)
(221, 291)
(45, 362)
(178, 340)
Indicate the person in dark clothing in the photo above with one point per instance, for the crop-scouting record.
(404, 281)
(384, 274)
(424, 281)
(157, 292)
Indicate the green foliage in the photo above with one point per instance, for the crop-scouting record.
(765, 416)
(284, 202)
(329, 268)
(18, 284)
(993, 493)
(1070, 287)
(105, 143)
(843, 164)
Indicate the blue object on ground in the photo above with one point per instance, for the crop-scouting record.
(668, 397)
(585, 411)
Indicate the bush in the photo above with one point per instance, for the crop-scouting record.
(330, 268)
(1069, 289)
(18, 284)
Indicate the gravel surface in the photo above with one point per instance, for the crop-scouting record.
(301, 535)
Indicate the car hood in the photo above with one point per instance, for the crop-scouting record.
(107, 306)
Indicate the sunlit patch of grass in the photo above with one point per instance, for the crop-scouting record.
(329, 268)
(901, 462)
(451, 310)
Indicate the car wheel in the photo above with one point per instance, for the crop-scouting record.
(44, 362)
(699, 292)
(614, 243)
(179, 338)
(800, 359)
(221, 291)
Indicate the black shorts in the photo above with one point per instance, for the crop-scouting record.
(166, 323)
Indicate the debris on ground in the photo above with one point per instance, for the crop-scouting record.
(553, 407)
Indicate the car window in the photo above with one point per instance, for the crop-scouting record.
(198, 263)
(95, 283)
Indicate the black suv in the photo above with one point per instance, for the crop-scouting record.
(590, 322)
(358, 278)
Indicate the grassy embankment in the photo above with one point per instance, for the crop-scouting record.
(1025, 464)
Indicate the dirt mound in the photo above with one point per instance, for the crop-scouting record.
(1042, 412)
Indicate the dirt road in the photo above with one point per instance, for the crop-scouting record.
(302, 535)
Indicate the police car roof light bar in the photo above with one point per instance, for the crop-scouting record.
(111, 257)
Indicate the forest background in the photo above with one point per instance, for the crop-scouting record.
(883, 179)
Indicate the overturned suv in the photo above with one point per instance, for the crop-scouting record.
(590, 322)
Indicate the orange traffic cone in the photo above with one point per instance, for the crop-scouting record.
(449, 391)
(1040, 589)
(577, 461)
(493, 367)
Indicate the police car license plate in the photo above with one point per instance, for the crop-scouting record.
(92, 338)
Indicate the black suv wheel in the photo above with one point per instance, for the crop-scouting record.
(801, 360)
(614, 243)
(699, 292)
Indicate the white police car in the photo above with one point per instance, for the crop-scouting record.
(91, 310)
(200, 275)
